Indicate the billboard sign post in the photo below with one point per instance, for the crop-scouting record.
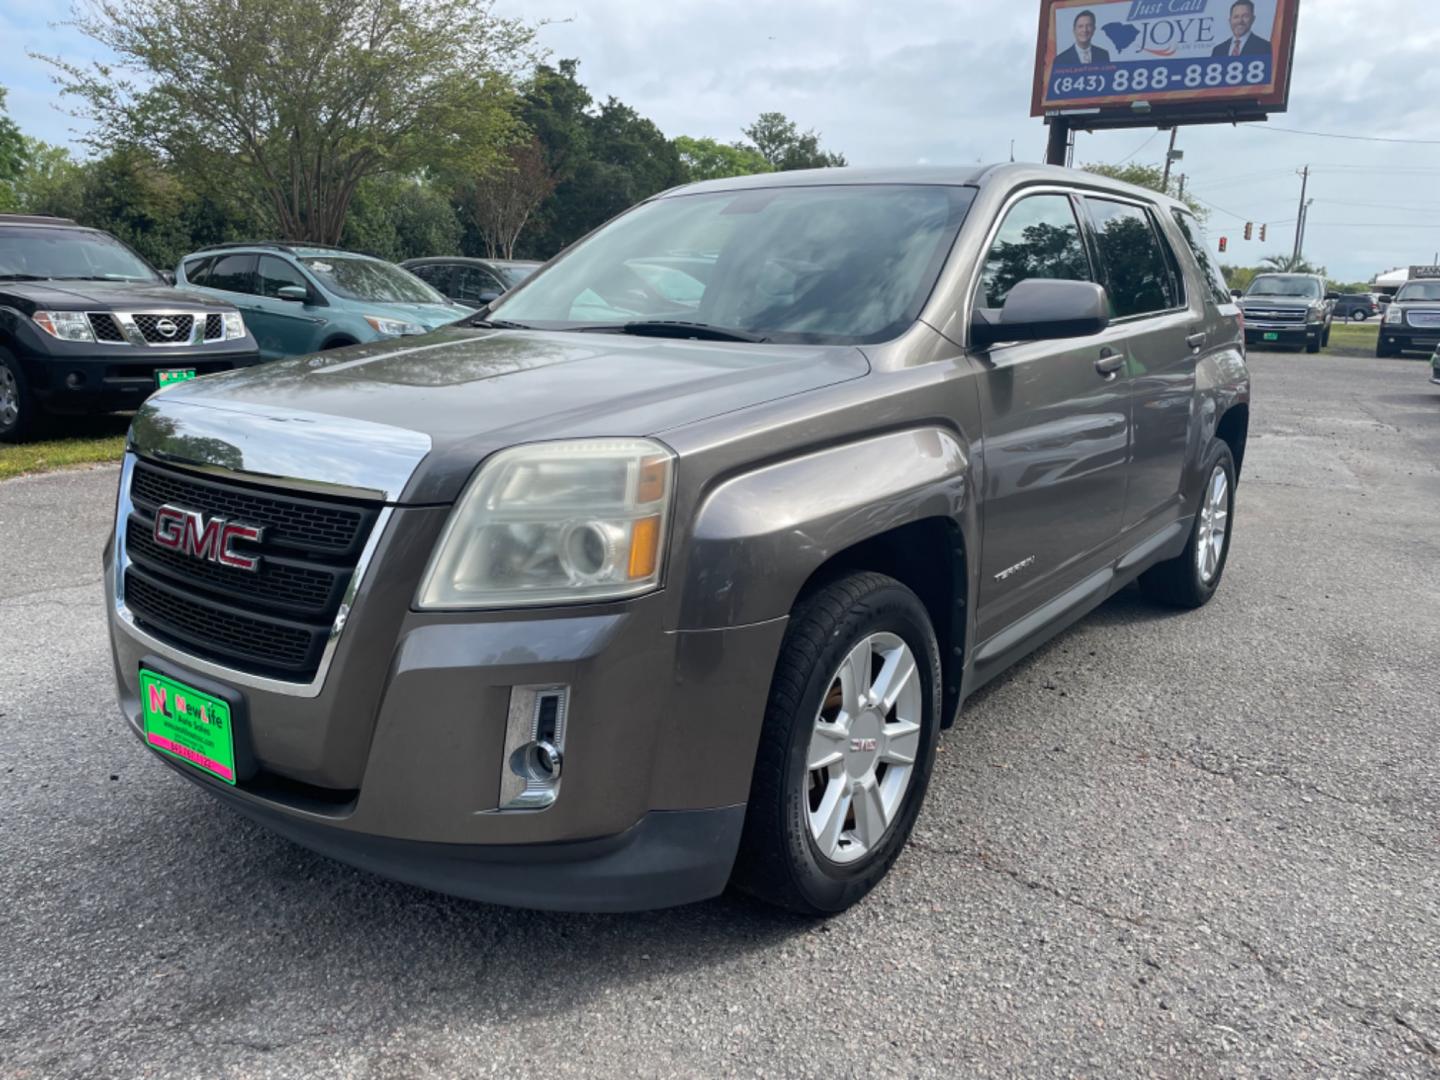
(1161, 63)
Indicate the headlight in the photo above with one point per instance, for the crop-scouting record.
(393, 327)
(556, 522)
(1317, 312)
(65, 325)
(234, 325)
(1393, 313)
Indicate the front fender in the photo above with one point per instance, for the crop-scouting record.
(758, 537)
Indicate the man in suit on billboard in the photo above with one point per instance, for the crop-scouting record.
(1242, 42)
(1083, 53)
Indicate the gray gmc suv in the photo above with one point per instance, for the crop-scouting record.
(667, 570)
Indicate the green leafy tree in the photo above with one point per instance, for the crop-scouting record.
(401, 218)
(1148, 176)
(13, 155)
(784, 146)
(1288, 264)
(603, 160)
(709, 159)
(501, 203)
(298, 105)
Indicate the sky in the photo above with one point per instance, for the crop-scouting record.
(926, 82)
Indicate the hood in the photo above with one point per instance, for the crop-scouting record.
(430, 316)
(466, 393)
(1279, 301)
(106, 296)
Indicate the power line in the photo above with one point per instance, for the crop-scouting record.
(1137, 149)
(1337, 135)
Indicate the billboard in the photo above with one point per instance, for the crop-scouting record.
(1170, 54)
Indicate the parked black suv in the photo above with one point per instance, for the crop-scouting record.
(1412, 321)
(87, 325)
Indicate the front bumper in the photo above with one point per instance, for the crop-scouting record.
(1410, 338)
(1285, 333)
(84, 377)
(395, 762)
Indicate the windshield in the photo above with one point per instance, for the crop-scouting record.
(47, 252)
(1286, 285)
(1419, 290)
(828, 264)
(371, 280)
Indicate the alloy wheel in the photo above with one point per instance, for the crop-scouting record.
(1214, 525)
(9, 398)
(863, 746)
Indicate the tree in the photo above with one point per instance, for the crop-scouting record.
(402, 217)
(502, 202)
(1289, 264)
(784, 146)
(1148, 176)
(299, 104)
(708, 159)
(12, 156)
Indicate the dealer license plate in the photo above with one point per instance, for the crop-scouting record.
(1272, 337)
(170, 376)
(188, 724)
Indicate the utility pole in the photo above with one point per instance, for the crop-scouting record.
(1181, 195)
(1304, 220)
(1169, 156)
(1300, 217)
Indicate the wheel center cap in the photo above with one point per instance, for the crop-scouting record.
(864, 745)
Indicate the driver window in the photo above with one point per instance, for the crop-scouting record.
(1039, 238)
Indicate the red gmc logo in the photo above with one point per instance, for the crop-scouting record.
(190, 532)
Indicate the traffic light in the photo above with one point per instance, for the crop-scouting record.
(1224, 242)
(1262, 234)
(1249, 230)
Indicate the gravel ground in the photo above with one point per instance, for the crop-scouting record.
(1175, 845)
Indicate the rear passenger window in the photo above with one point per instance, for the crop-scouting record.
(1136, 270)
(1194, 234)
(232, 273)
(1039, 238)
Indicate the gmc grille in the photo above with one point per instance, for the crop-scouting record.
(275, 621)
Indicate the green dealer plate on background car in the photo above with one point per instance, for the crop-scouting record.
(188, 724)
(170, 376)
(1272, 337)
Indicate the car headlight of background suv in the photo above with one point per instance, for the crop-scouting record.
(1393, 314)
(553, 523)
(65, 325)
(393, 327)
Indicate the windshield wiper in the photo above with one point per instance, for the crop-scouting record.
(497, 324)
(671, 328)
(25, 277)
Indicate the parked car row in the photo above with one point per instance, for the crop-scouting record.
(87, 325)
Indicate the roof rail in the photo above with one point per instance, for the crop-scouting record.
(287, 246)
(34, 219)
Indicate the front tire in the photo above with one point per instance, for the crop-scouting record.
(1383, 350)
(1190, 579)
(20, 416)
(846, 749)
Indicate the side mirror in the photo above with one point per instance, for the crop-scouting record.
(1044, 309)
(295, 293)
(489, 296)
(168, 276)
(1332, 296)
(1236, 294)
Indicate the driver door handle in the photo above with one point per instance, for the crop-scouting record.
(1110, 363)
(1195, 340)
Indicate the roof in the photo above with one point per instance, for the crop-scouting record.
(35, 219)
(289, 247)
(1012, 173)
(469, 260)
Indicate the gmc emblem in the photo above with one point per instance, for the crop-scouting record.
(190, 532)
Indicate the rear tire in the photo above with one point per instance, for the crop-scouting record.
(1190, 579)
(833, 799)
(20, 414)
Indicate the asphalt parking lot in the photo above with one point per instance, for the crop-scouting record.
(1175, 845)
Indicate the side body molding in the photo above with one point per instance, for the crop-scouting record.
(758, 537)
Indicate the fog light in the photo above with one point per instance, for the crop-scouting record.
(534, 747)
(75, 380)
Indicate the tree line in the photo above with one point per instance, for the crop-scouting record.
(401, 128)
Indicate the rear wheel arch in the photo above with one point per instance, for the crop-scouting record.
(1233, 429)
